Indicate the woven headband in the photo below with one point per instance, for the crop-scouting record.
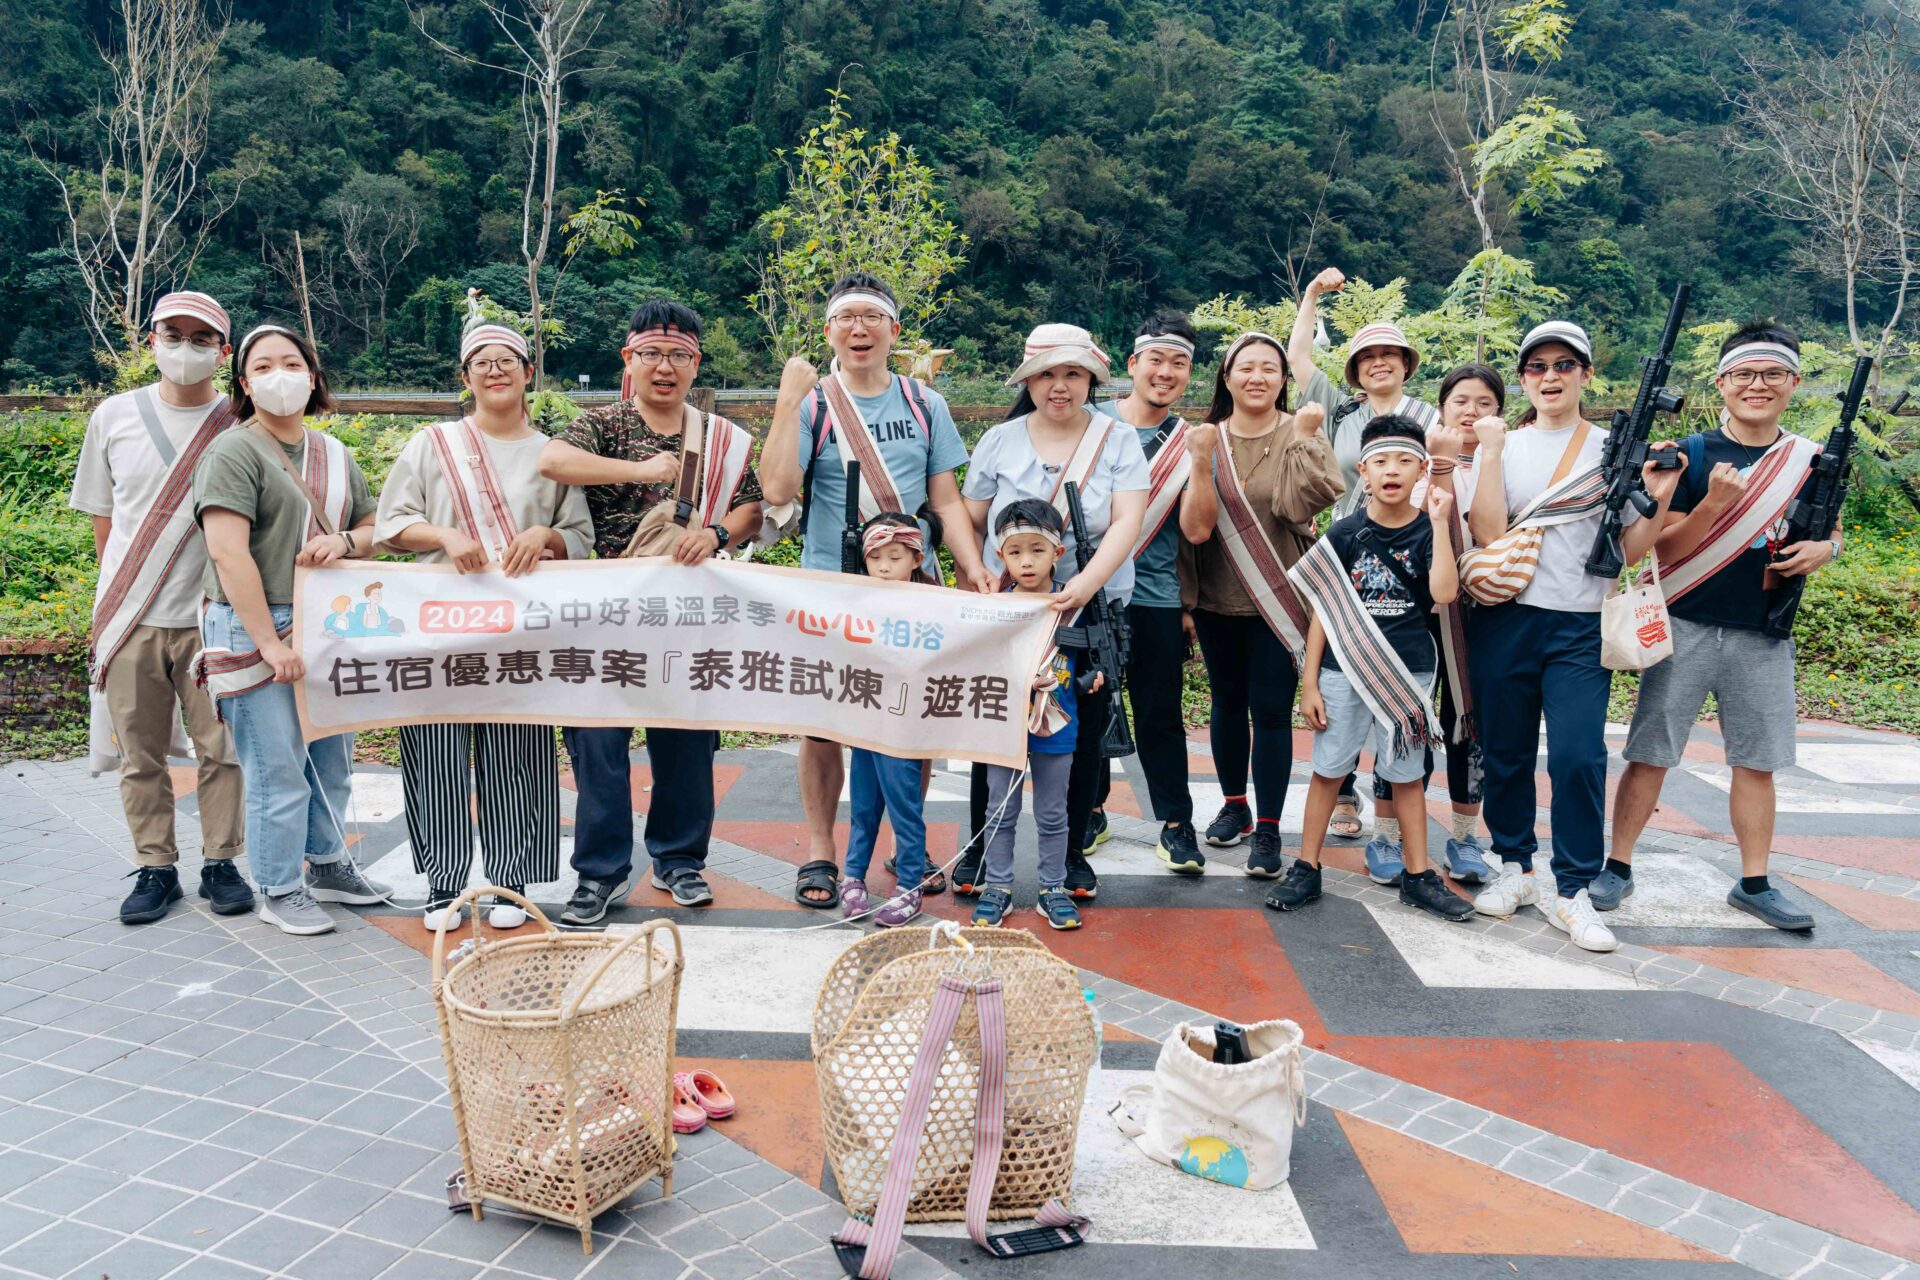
(888, 534)
(1760, 353)
(1394, 444)
(860, 297)
(487, 335)
(256, 333)
(1019, 527)
(1171, 341)
(1253, 336)
(664, 336)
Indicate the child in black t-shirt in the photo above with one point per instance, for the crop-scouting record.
(1394, 564)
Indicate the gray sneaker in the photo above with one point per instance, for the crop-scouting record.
(1608, 891)
(296, 913)
(342, 881)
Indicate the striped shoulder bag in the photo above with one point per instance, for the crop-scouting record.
(1501, 570)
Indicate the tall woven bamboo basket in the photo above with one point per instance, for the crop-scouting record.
(559, 1055)
(867, 1027)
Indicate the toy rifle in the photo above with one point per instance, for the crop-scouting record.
(1811, 516)
(1626, 449)
(851, 561)
(1101, 631)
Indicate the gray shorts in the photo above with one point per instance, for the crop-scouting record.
(1750, 675)
(1350, 726)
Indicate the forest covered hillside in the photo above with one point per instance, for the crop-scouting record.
(1100, 159)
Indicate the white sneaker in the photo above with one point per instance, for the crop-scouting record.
(1576, 918)
(1512, 890)
(506, 915)
(440, 910)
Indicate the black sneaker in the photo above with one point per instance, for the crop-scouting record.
(154, 890)
(1180, 850)
(1429, 892)
(1231, 825)
(1081, 882)
(1297, 888)
(1097, 833)
(593, 898)
(688, 887)
(967, 878)
(224, 888)
(1264, 862)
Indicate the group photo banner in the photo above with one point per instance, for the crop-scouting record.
(901, 668)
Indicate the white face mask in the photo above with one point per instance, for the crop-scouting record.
(283, 392)
(185, 365)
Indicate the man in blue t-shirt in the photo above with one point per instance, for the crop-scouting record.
(1720, 645)
(1161, 366)
(912, 430)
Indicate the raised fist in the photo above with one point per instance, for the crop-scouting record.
(798, 378)
(1310, 418)
(1330, 280)
(1490, 431)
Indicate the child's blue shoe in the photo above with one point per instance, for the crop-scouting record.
(993, 906)
(1057, 909)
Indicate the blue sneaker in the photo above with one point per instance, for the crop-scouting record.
(1467, 861)
(1608, 891)
(1385, 863)
(993, 906)
(1057, 909)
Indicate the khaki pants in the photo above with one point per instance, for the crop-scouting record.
(150, 680)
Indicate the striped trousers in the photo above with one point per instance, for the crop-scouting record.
(515, 773)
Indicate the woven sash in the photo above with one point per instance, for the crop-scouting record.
(1452, 618)
(1086, 451)
(881, 1238)
(1771, 485)
(728, 450)
(1167, 479)
(477, 493)
(1501, 570)
(1400, 704)
(878, 492)
(163, 531)
(1253, 557)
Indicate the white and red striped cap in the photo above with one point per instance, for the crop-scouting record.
(187, 305)
(489, 334)
(1379, 334)
(1051, 345)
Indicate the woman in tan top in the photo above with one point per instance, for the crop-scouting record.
(1275, 471)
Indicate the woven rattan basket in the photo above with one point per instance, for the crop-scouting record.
(560, 1062)
(867, 1027)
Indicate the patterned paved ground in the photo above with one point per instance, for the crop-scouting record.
(205, 1097)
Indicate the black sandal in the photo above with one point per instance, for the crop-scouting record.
(819, 875)
(935, 881)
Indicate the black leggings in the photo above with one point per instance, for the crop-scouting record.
(1156, 668)
(1253, 679)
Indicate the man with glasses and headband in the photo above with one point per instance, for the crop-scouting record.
(627, 458)
(1720, 536)
(135, 472)
(901, 433)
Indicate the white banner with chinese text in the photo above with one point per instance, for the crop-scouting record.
(906, 669)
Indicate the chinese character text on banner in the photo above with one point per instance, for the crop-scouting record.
(906, 669)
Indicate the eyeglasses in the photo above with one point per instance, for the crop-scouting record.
(1765, 377)
(199, 341)
(866, 319)
(1538, 368)
(500, 365)
(648, 358)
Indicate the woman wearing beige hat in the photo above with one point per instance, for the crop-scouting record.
(1055, 434)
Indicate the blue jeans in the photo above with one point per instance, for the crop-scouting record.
(1528, 663)
(296, 795)
(885, 784)
(679, 809)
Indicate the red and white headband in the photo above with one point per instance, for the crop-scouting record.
(1170, 341)
(1018, 527)
(1760, 353)
(661, 336)
(488, 335)
(1394, 444)
(887, 534)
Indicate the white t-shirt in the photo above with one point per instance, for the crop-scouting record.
(121, 476)
(1561, 580)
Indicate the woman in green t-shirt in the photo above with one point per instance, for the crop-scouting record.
(254, 493)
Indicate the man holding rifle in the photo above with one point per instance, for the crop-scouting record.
(1747, 484)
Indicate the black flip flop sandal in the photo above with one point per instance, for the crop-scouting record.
(819, 875)
(935, 881)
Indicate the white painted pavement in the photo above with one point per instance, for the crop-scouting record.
(1451, 955)
(1904, 1063)
(1862, 764)
(1792, 797)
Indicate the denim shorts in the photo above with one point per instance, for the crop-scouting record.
(1350, 727)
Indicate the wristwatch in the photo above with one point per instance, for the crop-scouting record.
(720, 532)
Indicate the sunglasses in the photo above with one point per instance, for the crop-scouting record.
(1539, 368)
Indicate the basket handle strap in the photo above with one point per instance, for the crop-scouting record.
(626, 944)
(471, 898)
(1058, 1228)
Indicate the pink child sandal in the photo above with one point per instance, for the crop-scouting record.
(711, 1094)
(688, 1115)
